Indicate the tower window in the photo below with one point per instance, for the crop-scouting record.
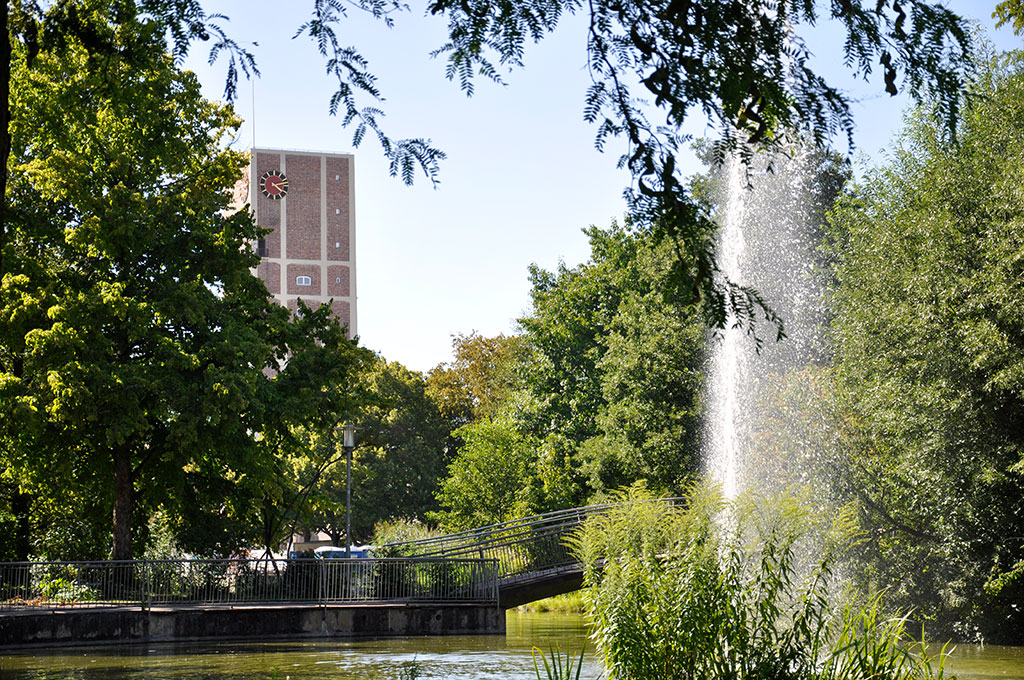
(303, 281)
(261, 248)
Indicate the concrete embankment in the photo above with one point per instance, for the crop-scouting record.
(77, 626)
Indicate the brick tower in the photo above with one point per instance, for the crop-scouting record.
(306, 199)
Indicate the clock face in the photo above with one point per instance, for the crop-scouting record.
(274, 185)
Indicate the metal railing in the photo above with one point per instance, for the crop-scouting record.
(149, 583)
(467, 566)
(520, 547)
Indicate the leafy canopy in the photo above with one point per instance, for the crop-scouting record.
(142, 363)
(743, 64)
(929, 362)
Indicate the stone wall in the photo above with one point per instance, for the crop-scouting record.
(80, 626)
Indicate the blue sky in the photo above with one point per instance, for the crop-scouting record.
(522, 176)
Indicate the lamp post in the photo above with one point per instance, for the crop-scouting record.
(348, 442)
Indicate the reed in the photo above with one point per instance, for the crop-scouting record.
(557, 667)
(735, 590)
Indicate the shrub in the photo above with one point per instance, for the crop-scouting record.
(716, 589)
(398, 531)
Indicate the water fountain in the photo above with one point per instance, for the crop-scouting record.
(770, 216)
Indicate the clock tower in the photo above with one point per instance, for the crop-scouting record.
(306, 199)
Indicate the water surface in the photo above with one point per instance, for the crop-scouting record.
(454, 658)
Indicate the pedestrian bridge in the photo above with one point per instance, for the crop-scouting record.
(505, 564)
(453, 584)
(532, 554)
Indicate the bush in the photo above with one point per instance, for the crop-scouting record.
(63, 590)
(61, 583)
(714, 590)
(398, 531)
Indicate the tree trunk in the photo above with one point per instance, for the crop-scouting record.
(5, 129)
(124, 499)
(21, 503)
(268, 523)
(21, 506)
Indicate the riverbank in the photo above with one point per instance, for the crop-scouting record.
(569, 603)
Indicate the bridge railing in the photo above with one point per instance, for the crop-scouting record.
(148, 583)
(521, 547)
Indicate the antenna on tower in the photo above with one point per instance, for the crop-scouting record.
(252, 81)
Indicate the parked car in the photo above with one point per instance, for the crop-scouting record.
(334, 552)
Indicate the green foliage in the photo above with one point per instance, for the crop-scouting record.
(616, 367)
(929, 364)
(351, 71)
(8, 524)
(567, 603)
(64, 590)
(714, 589)
(485, 480)
(654, 63)
(398, 531)
(651, 382)
(402, 448)
(162, 541)
(602, 388)
(69, 529)
(480, 379)
(400, 454)
(41, 29)
(410, 670)
(571, 313)
(1010, 11)
(58, 583)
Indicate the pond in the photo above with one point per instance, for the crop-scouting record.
(454, 658)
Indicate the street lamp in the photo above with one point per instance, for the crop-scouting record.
(348, 443)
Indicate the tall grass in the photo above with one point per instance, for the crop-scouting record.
(557, 667)
(742, 590)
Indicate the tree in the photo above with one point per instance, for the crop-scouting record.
(136, 342)
(741, 63)
(602, 388)
(1010, 11)
(485, 481)
(572, 310)
(652, 380)
(929, 363)
(615, 369)
(480, 378)
(399, 459)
